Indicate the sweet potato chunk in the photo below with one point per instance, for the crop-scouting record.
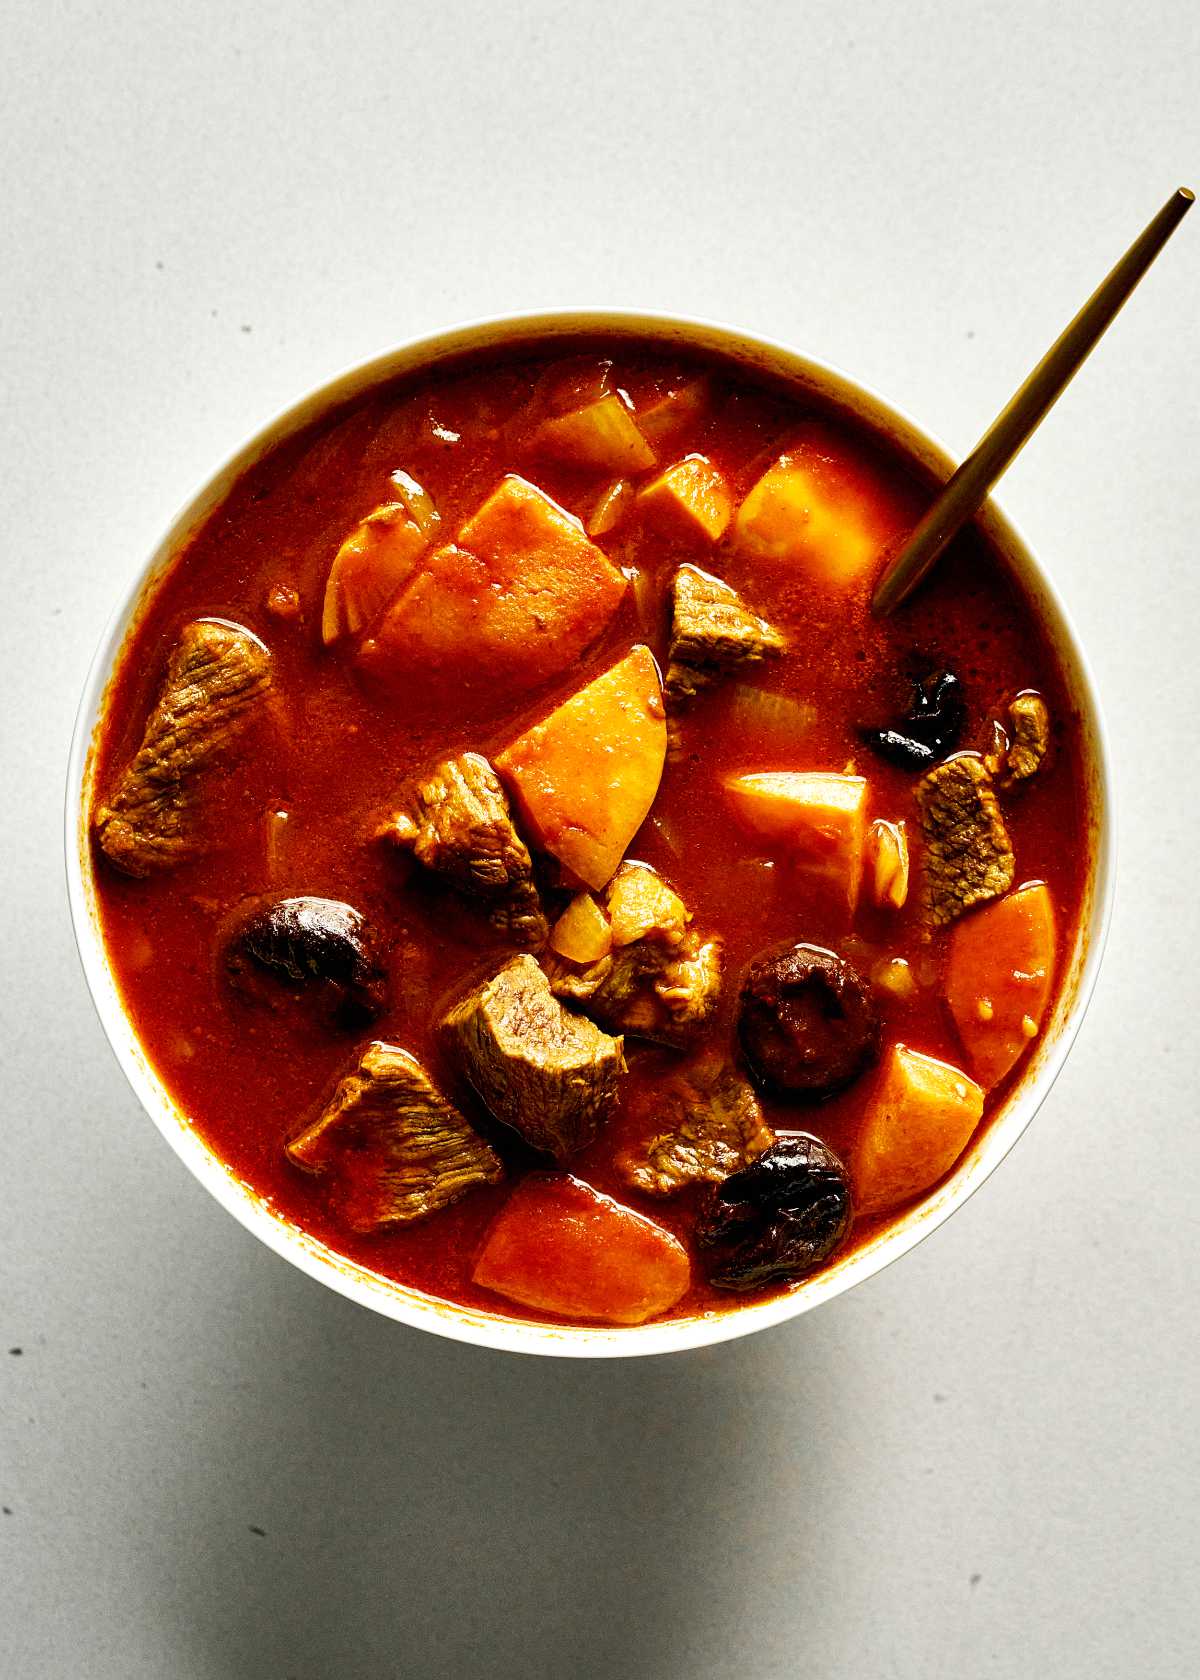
(818, 817)
(561, 1247)
(603, 435)
(998, 978)
(516, 599)
(691, 498)
(586, 776)
(921, 1118)
(817, 511)
(376, 560)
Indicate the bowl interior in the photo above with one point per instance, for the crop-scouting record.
(495, 1330)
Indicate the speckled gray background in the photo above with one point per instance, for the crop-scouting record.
(983, 1463)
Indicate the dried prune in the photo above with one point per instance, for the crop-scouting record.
(807, 1022)
(931, 728)
(307, 944)
(780, 1218)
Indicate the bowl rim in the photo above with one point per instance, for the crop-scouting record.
(409, 1306)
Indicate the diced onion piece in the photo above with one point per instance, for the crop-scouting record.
(769, 722)
(376, 560)
(582, 933)
(418, 501)
(276, 824)
(559, 1246)
(614, 503)
(887, 859)
(894, 976)
(603, 435)
(665, 419)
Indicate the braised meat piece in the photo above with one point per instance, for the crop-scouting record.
(314, 945)
(1030, 720)
(709, 1124)
(660, 980)
(550, 1075)
(807, 1022)
(968, 855)
(457, 822)
(394, 1149)
(713, 632)
(215, 674)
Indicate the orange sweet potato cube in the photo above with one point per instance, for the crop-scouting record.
(559, 1246)
(691, 497)
(816, 817)
(922, 1114)
(517, 597)
(586, 776)
(999, 975)
(822, 512)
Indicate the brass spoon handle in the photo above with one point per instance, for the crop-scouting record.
(965, 491)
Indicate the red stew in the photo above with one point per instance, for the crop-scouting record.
(295, 806)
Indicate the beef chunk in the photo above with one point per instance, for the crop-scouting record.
(315, 945)
(649, 990)
(215, 674)
(713, 632)
(394, 1149)
(457, 821)
(968, 855)
(549, 1074)
(710, 1125)
(660, 981)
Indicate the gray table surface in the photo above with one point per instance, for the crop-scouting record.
(982, 1463)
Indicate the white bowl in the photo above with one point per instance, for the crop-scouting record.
(496, 1330)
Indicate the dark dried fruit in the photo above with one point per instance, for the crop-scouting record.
(807, 1022)
(310, 943)
(931, 728)
(780, 1218)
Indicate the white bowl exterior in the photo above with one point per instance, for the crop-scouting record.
(497, 1331)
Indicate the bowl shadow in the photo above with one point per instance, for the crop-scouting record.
(380, 1501)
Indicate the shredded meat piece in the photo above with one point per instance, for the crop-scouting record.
(457, 821)
(710, 1126)
(713, 632)
(968, 855)
(214, 675)
(394, 1148)
(660, 981)
(549, 1074)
